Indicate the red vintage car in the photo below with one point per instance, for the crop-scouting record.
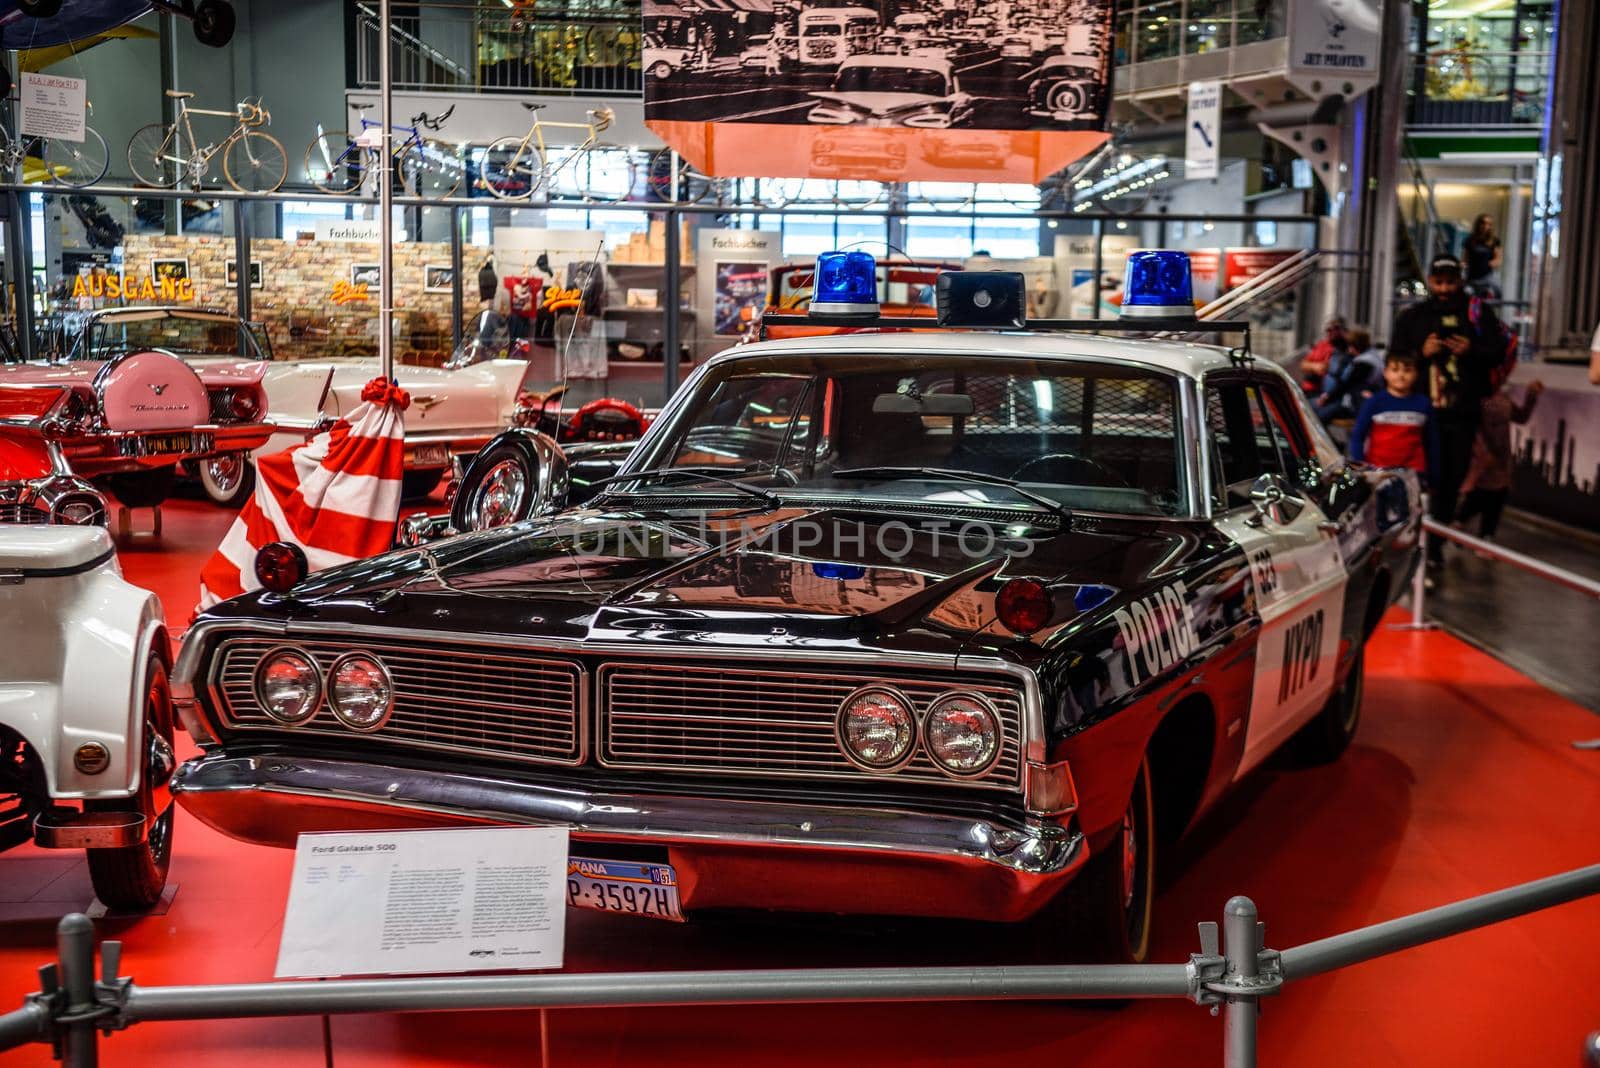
(36, 486)
(126, 422)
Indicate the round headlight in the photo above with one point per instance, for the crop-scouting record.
(360, 692)
(81, 510)
(962, 734)
(288, 686)
(877, 728)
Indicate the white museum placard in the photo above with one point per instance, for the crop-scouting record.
(409, 902)
(364, 230)
(53, 106)
(1203, 131)
(1334, 46)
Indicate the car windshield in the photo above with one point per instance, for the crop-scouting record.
(823, 29)
(183, 335)
(1090, 436)
(866, 79)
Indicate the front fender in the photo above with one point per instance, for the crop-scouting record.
(81, 652)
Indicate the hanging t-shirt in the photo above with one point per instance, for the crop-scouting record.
(524, 293)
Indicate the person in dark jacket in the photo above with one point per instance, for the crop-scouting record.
(1458, 344)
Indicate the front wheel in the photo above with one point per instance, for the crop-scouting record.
(512, 169)
(1325, 738)
(74, 163)
(1104, 916)
(335, 163)
(131, 878)
(228, 478)
(255, 163)
(155, 156)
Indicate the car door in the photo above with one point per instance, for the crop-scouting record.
(1292, 549)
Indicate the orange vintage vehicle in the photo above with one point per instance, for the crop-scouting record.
(905, 288)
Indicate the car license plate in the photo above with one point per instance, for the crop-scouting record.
(431, 456)
(162, 444)
(620, 886)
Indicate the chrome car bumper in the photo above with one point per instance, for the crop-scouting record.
(728, 853)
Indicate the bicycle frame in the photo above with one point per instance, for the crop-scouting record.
(207, 154)
(535, 136)
(413, 138)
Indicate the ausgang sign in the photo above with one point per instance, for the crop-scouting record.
(878, 90)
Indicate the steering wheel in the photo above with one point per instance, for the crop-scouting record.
(1107, 477)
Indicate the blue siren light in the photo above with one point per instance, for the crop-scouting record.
(846, 284)
(1158, 285)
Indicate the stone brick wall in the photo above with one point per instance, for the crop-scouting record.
(296, 298)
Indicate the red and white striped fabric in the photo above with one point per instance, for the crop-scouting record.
(336, 496)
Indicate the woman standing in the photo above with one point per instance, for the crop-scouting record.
(1481, 254)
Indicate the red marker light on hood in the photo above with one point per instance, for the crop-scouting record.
(280, 566)
(1023, 605)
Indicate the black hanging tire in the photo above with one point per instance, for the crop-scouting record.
(131, 878)
(498, 488)
(228, 479)
(214, 22)
(1103, 917)
(142, 489)
(1326, 737)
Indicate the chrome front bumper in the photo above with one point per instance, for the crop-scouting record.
(728, 853)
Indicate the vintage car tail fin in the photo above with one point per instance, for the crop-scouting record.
(151, 390)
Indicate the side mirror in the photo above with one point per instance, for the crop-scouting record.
(1273, 501)
(519, 474)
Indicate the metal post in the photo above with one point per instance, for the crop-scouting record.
(669, 317)
(458, 223)
(1242, 943)
(75, 949)
(241, 251)
(385, 201)
(1419, 577)
(19, 250)
(1099, 262)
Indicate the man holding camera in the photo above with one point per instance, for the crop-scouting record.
(1458, 343)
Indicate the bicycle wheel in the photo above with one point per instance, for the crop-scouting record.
(155, 156)
(512, 169)
(692, 186)
(430, 168)
(606, 174)
(335, 163)
(856, 195)
(255, 163)
(76, 163)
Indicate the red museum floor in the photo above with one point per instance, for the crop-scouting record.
(1463, 779)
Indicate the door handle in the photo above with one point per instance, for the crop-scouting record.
(1329, 526)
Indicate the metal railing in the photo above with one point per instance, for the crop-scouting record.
(72, 1008)
(1534, 566)
(1474, 88)
(465, 47)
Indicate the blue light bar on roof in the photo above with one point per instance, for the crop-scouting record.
(1158, 285)
(846, 285)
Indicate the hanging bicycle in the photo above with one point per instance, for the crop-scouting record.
(337, 162)
(73, 163)
(163, 155)
(519, 168)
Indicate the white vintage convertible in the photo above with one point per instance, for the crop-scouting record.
(454, 411)
(86, 715)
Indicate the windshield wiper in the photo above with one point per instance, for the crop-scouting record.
(697, 474)
(891, 474)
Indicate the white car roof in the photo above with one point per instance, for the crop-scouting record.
(941, 66)
(1190, 359)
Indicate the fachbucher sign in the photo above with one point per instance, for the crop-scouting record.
(878, 90)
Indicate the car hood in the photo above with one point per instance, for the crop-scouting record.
(214, 373)
(881, 103)
(728, 578)
(482, 396)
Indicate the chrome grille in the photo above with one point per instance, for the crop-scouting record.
(745, 721)
(502, 703)
(17, 512)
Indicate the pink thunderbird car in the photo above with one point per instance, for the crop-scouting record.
(127, 422)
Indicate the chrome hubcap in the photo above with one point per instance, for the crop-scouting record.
(225, 471)
(501, 497)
